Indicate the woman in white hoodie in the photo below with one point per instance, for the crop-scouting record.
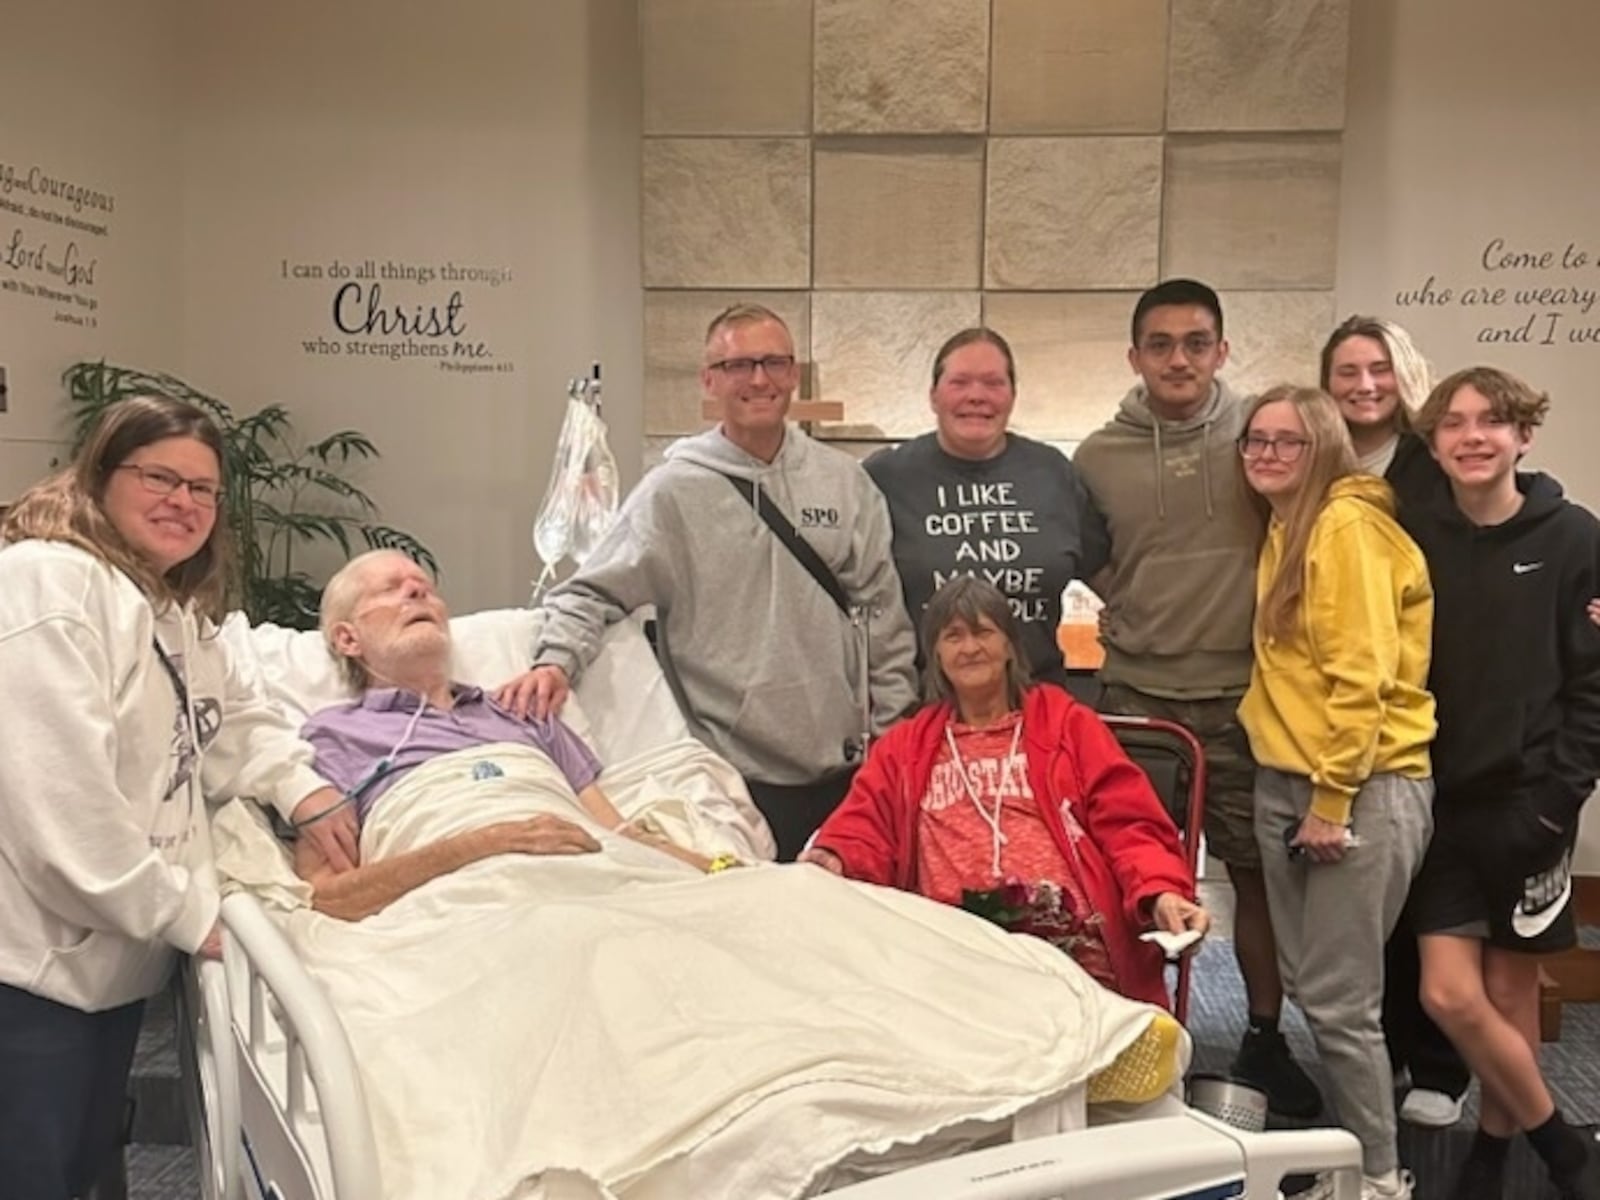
(120, 708)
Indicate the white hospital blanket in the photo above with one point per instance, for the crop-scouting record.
(617, 1024)
(694, 796)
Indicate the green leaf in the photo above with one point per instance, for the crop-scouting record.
(385, 537)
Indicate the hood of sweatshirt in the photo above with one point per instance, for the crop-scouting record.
(1368, 489)
(712, 450)
(1217, 418)
(1541, 496)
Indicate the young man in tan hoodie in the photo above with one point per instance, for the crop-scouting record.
(1179, 601)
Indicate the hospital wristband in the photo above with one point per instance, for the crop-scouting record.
(721, 863)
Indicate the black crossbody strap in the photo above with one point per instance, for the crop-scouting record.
(786, 533)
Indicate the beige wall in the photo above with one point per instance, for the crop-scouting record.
(886, 172)
(1455, 142)
(247, 143)
(91, 99)
(502, 135)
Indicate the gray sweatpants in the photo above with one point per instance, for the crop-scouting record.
(1331, 921)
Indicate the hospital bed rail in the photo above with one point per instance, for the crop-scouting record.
(301, 1117)
(1177, 1157)
(207, 1059)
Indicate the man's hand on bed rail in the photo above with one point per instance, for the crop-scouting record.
(541, 691)
(336, 835)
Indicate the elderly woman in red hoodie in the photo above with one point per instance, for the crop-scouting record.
(1012, 800)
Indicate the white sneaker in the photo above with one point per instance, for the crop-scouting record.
(1371, 1189)
(1430, 1109)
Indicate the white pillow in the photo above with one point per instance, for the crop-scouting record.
(622, 707)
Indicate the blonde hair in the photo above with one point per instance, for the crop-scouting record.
(69, 506)
(1510, 399)
(1412, 375)
(1329, 457)
(743, 314)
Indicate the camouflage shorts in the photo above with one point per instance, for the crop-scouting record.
(1230, 770)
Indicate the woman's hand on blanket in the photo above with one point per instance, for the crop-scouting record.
(541, 692)
(543, 834)
(1173, 913)
(826, 859)
(336, 835)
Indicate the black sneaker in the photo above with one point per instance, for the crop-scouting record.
(1265, 1062)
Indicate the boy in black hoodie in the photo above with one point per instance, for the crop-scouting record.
(1516, 675)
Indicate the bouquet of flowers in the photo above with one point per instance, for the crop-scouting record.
(1043, 909)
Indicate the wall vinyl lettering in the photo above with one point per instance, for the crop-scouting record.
(1522, 295)
(400, 310)
(52, 234)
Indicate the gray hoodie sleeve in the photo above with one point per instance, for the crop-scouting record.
(631, 567)
(892, 648)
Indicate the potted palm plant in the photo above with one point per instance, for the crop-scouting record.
(281, 495)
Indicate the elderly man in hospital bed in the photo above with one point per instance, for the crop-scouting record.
(389, 630)
(560, 1010)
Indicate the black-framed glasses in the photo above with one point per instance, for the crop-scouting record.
(777, 366)
(1195, 345)
(162, 482)
(1285, 449)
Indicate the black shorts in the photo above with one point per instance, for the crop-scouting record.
(1490, 874)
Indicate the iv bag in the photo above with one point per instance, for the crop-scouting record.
(552, 528)
(580, 501)
(597, 499)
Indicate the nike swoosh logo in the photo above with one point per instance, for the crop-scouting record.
(1530, 922)
(1524, 568)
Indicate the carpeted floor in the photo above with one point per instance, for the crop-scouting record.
(1572, 1067)
(1216, 1021)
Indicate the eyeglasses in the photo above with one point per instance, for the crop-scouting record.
(163, 482)
(777, 366)
(1285, 449)
(1196, 345)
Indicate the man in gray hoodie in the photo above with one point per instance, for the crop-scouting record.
(765, 662)
(1180, 598)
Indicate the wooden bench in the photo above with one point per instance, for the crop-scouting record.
(1572, 976)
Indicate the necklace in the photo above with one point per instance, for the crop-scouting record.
(997, 838)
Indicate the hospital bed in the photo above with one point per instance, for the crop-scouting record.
(278, 1104)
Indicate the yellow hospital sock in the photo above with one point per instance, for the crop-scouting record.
(1145, 1070)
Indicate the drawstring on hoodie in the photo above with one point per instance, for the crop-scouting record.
(1161, 490)
(1160, 463)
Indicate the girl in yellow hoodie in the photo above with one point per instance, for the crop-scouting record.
(1339, 721)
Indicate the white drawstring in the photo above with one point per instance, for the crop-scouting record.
(992, 820)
